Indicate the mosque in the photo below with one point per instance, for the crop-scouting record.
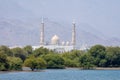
(55, 43)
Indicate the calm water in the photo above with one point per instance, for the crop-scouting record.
(65, 74)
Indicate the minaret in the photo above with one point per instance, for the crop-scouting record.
(42, 33)
(73, 34)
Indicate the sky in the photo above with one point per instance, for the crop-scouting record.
(103, 15)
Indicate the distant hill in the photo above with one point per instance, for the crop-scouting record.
(17, 32)
(19, 26)
(11, 9)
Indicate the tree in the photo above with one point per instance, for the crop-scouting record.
(35, 63)
(72, 55)
(54, 61)
(71, 63)
(102, 63)
(72, 58)
(98, 52)
(41, 51)
(18, 52)
(113, 56)
(6, 50)
(41, 63)
(3, 61)
(31, 62)
(28, 49)
(86, 61)
(15, 63)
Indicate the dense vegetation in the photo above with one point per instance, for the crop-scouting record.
(41, 58)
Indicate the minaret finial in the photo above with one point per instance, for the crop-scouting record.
(42, 20)
(73, 21)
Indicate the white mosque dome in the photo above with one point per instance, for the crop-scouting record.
(63, 43)
(55, 40)
(67, 43)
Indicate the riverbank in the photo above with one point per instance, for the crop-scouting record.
(97, 68)
(107, 68)
(2, 72)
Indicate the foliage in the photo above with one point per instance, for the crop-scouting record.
(19, 52)
(41, 63)
(35, 63)
(72, 58)
(71, 63)
(6, 50)
(54, 61)
(98, 53)
(113, 56)
(3, 61)
(72, 55)
(15, 63)
(86, 61)
(28, 49)
(96, 56)
(41, 51)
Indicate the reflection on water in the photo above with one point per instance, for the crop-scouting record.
(63, 74)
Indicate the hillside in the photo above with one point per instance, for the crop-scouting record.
(20, 26)
(17, 32)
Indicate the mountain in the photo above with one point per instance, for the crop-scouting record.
(17, 32)
(11, 9)
(20, 26)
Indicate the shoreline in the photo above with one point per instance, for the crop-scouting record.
(96, 68)
(107, 68)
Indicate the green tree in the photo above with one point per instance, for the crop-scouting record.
(3, 61)
(54, 61)
(71, 63)
(18, 52)
(98, 52)
(35, 63)
(72, 55)
(41, 63)
(86, 61)
(103, 62)
(72, 58)
(6, 50)
(41, 51)
(15, 63)
(31, 62)
(113, 56)
(28, 49)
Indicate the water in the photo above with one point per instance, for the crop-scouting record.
(65, 74)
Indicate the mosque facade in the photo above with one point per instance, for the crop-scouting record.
(55, 43)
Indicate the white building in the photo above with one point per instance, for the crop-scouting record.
(55, 44)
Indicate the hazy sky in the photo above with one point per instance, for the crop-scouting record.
(103, 15)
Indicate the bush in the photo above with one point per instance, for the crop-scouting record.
(86, 61)
(54, 61)
(15, 63)
(3, 61)
(35, 63)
